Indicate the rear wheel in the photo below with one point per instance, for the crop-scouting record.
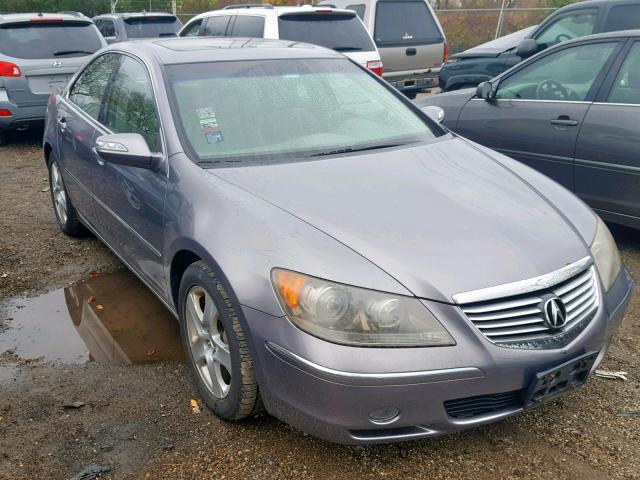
(66, 214)
(216, 345)
(3, 138)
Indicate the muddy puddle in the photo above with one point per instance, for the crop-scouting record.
(110, 318)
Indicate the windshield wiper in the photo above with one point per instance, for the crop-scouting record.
(347, 49)
(71, 52)
(360, 149)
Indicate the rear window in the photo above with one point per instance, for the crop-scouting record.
(344, 33)
(49, 39)
(150, 27)
(407, 22)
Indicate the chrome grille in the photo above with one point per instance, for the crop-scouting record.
(519, 320)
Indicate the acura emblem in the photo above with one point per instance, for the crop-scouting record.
(56, 64)
(555, 313)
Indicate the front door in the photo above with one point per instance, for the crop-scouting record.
(608, 150)
(77, 121)
(538, 109)
(131, 200)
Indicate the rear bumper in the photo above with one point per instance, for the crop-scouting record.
(330, 391)
(413, 82)
(22, 117)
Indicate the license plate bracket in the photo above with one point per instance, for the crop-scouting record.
(558, 380)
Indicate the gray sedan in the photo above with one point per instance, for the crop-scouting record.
(570, 112)
(332, 254)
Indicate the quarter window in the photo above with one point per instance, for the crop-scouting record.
(88, 92)
(568, 27)
(248, 26)
(216, 26)
(623, 17)
(626, 88)
(130, 106)
(566, 75)
(192, 30)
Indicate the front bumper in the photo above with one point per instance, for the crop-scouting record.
(330, 390)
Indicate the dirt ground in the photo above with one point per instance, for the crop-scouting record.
(137, 419)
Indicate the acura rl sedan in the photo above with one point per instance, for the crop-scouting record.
(332, 253)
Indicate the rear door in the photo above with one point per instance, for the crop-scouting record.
(48, 52)
(607, 164)
(408, 36)
(539, 108)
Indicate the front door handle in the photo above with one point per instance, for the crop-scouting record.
(564, 121)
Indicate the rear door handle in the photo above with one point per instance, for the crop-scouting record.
(564, 120)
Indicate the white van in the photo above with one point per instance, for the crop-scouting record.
(409, 38)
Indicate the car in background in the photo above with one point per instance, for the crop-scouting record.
(332, 253)
(39, 52)
(340, 30)
(481, 63)
(409, 37)
(572, 112)
(120, 27)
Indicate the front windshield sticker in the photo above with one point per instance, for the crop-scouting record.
(209, 125)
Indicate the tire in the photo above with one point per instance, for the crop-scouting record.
(66, 214)
(216, 345)
(411, 95)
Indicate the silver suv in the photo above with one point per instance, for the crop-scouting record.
(409, 37)
(39, 52)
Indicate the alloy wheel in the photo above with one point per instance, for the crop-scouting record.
(208, 342)
(59, 194)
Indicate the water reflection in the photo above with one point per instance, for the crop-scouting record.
(112, 319)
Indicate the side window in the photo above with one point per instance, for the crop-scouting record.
(626, 88)
(89, 89)
(192, 30)
(567, 27)
(564, 75)
(359, 9)
(248, 26)
(108, 29)
(130, 106)
(216, 26)
(623, 17)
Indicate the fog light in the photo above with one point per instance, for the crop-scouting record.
(384, 416)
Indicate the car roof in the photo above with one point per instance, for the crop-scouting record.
(134, 15)
(593, 3)
(28, 17)
(271, 10)
(171, 51)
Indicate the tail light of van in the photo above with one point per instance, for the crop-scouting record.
(445, 56)
(8, 69)
(376, 67)
(5, 113)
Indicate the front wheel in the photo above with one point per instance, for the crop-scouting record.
(216, 345)
(66, 214)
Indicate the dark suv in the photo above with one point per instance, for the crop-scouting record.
(482, 63)
(120, 27)
(38, 53)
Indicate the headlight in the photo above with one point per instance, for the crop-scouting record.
(606, 256)
(355, 316)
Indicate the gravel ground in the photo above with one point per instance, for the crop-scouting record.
(137, 419)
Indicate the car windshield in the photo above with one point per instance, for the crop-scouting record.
(332, 30)
(279, 110)
(151, 27)
(49, 39)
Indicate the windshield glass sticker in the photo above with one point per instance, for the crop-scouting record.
(209, 125)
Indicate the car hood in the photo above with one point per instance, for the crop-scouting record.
(442, 218)
(495, 47)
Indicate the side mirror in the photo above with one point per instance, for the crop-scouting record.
(128, 149)
(527, 47)
(485, 91)
(434, 113)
